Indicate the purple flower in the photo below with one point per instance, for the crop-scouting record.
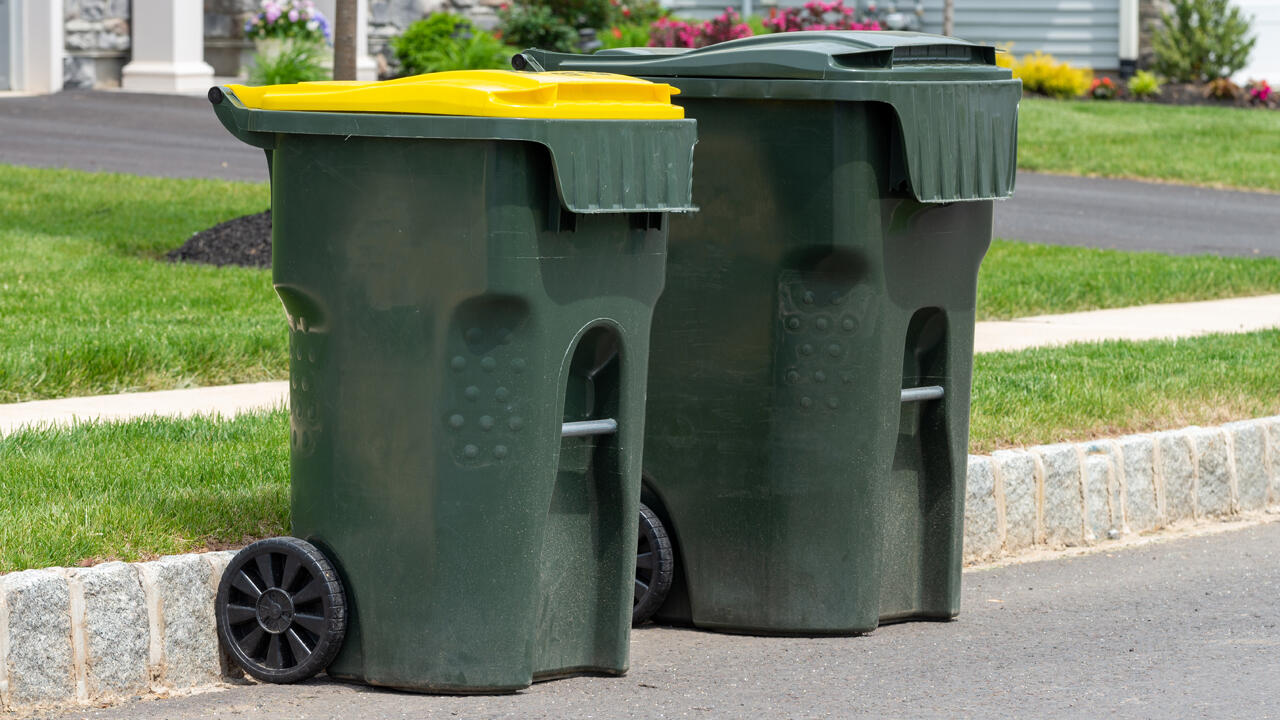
(293, 15)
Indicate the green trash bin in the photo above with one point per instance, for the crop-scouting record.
(807, 431)
(468, 300)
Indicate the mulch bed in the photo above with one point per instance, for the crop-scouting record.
(242, 241)
(1180, 94)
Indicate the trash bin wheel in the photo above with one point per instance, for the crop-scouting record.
(655, 566)
(281, 610)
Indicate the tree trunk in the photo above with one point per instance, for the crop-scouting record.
(949, 17)
(344, 40)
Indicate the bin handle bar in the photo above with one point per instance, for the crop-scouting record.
(920, 394)
(582, 428)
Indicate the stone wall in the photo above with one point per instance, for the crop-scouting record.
(225, 47)
(1149, 12)
(97, 42)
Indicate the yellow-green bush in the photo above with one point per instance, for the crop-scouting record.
(1041, 73)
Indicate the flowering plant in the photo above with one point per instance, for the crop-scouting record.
(1260, 92)
(288, 19)
(817, 15)
(667, 32)
(1102, 88)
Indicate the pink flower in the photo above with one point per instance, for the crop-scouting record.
(293, 15)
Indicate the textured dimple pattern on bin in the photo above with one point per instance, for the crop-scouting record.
(306, 349)
(484, 415)
(818, 326)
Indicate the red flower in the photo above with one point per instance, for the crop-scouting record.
(617, 33)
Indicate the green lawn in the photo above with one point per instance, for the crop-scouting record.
(134, 490)
(1019, 279)
(1216, 147)
(1081, 392)
(137, 489)
(88, 308)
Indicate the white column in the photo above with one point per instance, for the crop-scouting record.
(366, 67)
(168, 47)
(42, 52)
(1128, 36)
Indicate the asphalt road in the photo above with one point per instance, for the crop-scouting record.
(180, 137)
(1181, 629)
(1129, 215)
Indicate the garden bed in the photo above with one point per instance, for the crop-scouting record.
(244, 241)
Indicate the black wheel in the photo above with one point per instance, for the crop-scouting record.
(655, 566)
(281, 610)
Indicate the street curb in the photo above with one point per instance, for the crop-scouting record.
(1073, 494)
(109, 632)
(117, 630)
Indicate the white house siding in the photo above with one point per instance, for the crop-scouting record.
(1264, 63)
(1085, 33)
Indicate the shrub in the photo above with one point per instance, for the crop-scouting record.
(1222, 89)
(1202, 40)
(637, 12)
(726, 26)
(581, 13)
(626, 35)
(1144, 84)
(1041, 73)
(294, 62)
(444, 41)
(756, 23)
(669, 32)
(816, 15)
(1102, 88)
(526, 26)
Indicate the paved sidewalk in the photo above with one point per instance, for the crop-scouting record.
(1147, 322)
(225, 400)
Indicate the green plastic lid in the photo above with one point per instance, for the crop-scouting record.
(815, 55)
(957, 110)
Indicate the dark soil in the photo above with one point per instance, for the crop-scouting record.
(1180, 94)
(242, 241)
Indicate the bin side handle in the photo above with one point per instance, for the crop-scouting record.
(920, 394)
(582, 428)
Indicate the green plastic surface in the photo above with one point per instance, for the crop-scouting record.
(957, 129)
(828, 269)
(446, 314)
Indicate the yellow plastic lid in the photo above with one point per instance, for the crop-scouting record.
(484, 93)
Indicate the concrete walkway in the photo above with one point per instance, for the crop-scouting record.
(1166, 321)
(1148, 322)
(225, 400)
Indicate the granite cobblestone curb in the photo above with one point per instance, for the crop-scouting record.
(117, 630)
(108, 632)
(1075, 494)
